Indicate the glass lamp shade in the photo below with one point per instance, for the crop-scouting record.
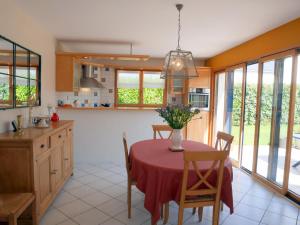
(179, 64)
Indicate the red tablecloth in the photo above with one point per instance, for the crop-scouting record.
(158, 173)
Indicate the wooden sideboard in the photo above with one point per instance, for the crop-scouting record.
(38, 161)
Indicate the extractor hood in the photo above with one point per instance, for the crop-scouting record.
(86, 80)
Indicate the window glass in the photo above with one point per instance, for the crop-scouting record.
(153, 88)
(128, 87)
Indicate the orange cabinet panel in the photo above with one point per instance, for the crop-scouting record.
(203, 81)
(64, 73)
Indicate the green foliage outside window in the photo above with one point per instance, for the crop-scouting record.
(128, 95)
(23, 93)
(153, 95)
(4, 92)
(131, 95)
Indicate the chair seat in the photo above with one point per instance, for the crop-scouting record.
(12, 203)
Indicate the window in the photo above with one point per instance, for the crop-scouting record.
(139, 88)
(19, 76)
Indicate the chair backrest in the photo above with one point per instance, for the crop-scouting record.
(126, 153)
(157, 129)
(224, 141)
(203, 187)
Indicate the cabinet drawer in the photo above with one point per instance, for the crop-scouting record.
(41, 145)
(57, 138)
(69, 131)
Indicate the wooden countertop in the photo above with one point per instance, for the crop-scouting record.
(32, 133)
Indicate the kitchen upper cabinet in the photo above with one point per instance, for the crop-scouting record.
(64, 73)
(197, 128)
(203, 81)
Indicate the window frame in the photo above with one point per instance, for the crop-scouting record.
(141, 86)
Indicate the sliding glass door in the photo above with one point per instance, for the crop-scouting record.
(250, 101)
(273, 123)
(294, 173)
(233, 109)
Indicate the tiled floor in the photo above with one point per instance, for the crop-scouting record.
(96, 194)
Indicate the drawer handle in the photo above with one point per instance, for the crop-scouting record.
(66, 159)
(42, 145)
(59, 136)
(53, 172)
(70, 130)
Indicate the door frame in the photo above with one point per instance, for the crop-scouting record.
(284, 188)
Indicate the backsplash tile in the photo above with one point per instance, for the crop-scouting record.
(88, 98)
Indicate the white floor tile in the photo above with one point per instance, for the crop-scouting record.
(96, 199)
(87, 179)
(114, 190)
(82, 191)
(52, 217)
(276, 219)
(255, 202)
(136, 198)
(239, 220)
(72, 183)
(100, 184)
(91, 217)
(137, 217)
(63, 198)
(284, 209)
(115, 179)
(68, 222)
(113, 207)
(249, 212)
(112, 222)
(74, 208)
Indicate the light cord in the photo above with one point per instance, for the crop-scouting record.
(179, 29)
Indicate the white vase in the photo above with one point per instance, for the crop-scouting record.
(176, 139)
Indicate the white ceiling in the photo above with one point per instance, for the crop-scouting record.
(208, 26)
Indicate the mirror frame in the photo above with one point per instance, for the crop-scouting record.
(28, 78)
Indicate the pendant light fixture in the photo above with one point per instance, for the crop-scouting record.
(179, 64)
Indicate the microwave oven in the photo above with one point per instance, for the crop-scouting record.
(199, 98)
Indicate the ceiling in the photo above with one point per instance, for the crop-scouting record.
(208, 27)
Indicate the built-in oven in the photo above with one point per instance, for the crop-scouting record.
(199, 98)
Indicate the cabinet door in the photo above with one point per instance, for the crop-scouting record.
(203, 81)
(64, 73)
(44, 188)
(197, 128)
(67, 160)
(57, 177)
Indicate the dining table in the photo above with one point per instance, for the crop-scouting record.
(158, 173)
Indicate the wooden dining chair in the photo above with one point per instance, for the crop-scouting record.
(13, 205)
(223, 143)
(130, 181)
(157, 129)
(196, 196)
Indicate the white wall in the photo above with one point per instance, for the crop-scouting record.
(19, 27)
(98, 134)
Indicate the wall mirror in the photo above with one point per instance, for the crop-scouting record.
(20, 76)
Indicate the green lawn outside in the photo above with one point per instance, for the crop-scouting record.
(249, 131)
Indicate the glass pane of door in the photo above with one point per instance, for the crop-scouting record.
(294, 176)
(274, 111)
(249, 116)
(219, 103)
(234, 98)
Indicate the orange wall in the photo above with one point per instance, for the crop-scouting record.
(279, 39)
